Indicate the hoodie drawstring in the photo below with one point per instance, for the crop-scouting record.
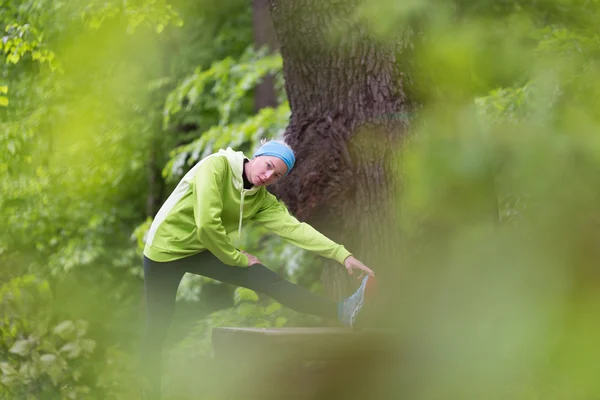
(243, 193)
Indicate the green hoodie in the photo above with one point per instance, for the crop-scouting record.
(210, 202)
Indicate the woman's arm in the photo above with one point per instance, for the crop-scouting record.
(275, 217)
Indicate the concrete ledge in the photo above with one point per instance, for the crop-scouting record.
(298, 343)
(299, 363)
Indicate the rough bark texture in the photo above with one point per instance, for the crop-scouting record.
(348, 119)
(264, 35)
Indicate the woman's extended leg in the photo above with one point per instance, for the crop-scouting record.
(260, 279)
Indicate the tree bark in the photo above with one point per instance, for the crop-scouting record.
(349, 116)
(264, 36)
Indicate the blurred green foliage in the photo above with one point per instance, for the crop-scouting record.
(499, 206)
(42, 357)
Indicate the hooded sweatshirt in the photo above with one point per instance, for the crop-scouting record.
(210, 202)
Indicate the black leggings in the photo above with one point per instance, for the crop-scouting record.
(161, 280)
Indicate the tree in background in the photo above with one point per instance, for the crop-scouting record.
(349, 113)
(264, 36)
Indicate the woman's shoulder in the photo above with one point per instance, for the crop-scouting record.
(215, 158)
(215, 162)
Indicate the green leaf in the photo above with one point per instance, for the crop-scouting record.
(21, 347)
(4, 89)
(48, 359)
(72, 350)
(7, 369)
(272, 308)
(87, 345)
(248, 310)
(280, 321)
(47, 345)
(27, 370)
(7, 380)
(243, 294)
(3, 101)
(13, 58)
(65, 329)
(55, 372)
(81, 327)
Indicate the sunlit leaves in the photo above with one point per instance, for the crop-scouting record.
(268, 122)
(20, 40)
(505, 104)
(156, 14)
(3, 97)
(222, 86)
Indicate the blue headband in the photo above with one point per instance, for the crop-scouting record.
(279, 150)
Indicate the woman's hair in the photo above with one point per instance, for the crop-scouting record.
(265, 140)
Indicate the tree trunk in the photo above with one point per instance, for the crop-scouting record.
(349, 115)
(264, 35)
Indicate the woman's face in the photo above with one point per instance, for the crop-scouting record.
(265, 170)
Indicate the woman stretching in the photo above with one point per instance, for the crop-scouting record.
(190, 234)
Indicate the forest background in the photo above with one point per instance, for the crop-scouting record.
(486, 169)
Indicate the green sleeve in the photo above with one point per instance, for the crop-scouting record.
(208, 204)
(275, 217)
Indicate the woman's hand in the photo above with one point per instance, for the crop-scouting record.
(251, 259)
(352, 264)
